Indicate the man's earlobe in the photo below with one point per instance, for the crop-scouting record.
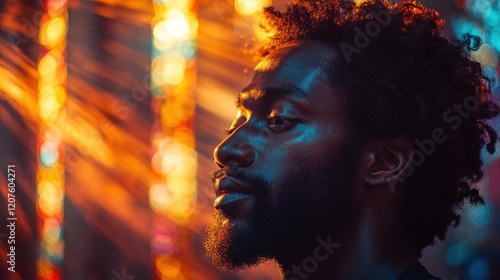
(389, 161)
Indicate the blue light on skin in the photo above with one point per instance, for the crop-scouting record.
(479, 269)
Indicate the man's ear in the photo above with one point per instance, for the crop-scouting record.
(389, 158)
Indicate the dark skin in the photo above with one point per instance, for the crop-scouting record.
(290, 116)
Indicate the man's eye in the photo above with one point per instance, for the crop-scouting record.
(277, 124)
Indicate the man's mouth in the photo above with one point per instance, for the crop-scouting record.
(230, 193)
(230, 200)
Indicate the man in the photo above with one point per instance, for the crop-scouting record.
(356, 142)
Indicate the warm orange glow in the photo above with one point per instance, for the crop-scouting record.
(47, 66)
(168, 69)
(170, 268)
(174, 29)
(159, 197)
(51, 99)
(50, 197)
(52, 32)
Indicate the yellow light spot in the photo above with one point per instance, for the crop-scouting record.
(168, 69)
(176, 25)
(60, 95)
(178, 159)
(47, 65)
(52, 32)
(49, 108)
(160, 31)
(159, 197)
(50, 196)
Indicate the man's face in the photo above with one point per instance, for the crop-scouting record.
(288, 165)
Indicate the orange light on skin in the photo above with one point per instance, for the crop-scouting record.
(249, 7)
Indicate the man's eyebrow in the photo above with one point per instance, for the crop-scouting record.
(245, 95)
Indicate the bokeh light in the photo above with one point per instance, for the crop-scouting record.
(51, 98)
(172, 195)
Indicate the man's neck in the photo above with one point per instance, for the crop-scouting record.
(370, 248)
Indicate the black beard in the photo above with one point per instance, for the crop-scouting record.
(275, 231)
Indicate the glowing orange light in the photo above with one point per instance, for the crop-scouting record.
(47, 65)
(168, 69)
(51, 98)
(52, 32)
(169, 267)
(49, 108)
(159, 197)
(249, 7)
(174, 29)
(50, 196)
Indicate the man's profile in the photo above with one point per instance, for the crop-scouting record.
(356, 143)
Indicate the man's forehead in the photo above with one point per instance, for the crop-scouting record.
(296, 53)
(249, 95)
(294, 69)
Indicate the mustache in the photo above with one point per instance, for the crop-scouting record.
(219, 174)
(227, 171)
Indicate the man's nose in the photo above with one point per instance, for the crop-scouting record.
(234, 152)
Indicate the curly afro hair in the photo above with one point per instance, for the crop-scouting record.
(401, 76)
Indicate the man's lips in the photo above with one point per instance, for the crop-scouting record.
(226, 185)
(230, 193)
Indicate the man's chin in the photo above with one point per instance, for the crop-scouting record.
(231, 246)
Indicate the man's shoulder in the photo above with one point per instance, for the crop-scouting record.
(416, 272)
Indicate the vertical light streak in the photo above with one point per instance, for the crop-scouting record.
(174, 159)
(50, 174)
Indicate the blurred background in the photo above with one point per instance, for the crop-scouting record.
(110, 111)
